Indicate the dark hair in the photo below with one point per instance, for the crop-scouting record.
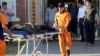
(4, 3)
(89, 1)
(61, 4)
(51, 3)
(80, 2)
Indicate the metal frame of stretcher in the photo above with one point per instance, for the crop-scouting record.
(33, 37)
(19, 38)
(46, 38)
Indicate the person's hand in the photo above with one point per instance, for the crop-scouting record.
(55, 25)
(11, 35)
(2, 12)
(64, 29)
(56, 28)
(10, 14)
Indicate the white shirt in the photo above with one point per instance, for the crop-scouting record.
(50, 15)
(9, 18)
(81, 12)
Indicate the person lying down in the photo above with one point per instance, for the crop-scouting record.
(31, 28)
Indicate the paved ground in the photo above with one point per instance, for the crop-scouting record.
(79, 49)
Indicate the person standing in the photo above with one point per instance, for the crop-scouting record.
(81, 15)
(61, 22)
(3, 23)
(49, 17)
(8, 13)
(74, 14)
(50, 14)
(89, 24)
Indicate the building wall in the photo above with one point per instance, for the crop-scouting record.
(20, 4)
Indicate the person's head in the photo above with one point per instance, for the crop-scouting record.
(73, 4)
(80, 3)
(51, 5)
(4, 5)
(61, 7)
(88, 3)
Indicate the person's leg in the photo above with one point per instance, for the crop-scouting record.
(81, 30)
(92, 33)
(87, 31)
(75, 27)
(68, 42)
(62, 44)
(2, 48)
(17, 26)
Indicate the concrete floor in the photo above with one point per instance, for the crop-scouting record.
(78, 49)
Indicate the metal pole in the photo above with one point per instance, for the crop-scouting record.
(25, 10)
(28, 11)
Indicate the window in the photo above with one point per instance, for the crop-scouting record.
(0, 2)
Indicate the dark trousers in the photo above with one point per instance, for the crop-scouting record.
(81, 29)
(73, 25)
(9, 25)
(89, 31)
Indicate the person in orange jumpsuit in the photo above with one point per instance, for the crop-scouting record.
(62, 19)
(3, 23)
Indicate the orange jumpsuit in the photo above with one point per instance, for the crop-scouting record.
(65, 38)
(3, 21)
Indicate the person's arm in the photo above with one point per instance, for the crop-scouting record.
(17, 26)
(85, 15)
(10, 13)
(97, 17)
(4, 23)
(68, 19)
(7, 30)
(55, 25)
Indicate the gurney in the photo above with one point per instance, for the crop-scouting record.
(24, 36)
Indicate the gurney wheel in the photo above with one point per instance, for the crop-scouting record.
(38, 53)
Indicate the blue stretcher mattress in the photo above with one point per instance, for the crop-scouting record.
(20, 32)
(24, 33)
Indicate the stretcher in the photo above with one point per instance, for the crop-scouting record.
(24, 36)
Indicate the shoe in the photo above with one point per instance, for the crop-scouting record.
(91, 45)
(68, 52)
